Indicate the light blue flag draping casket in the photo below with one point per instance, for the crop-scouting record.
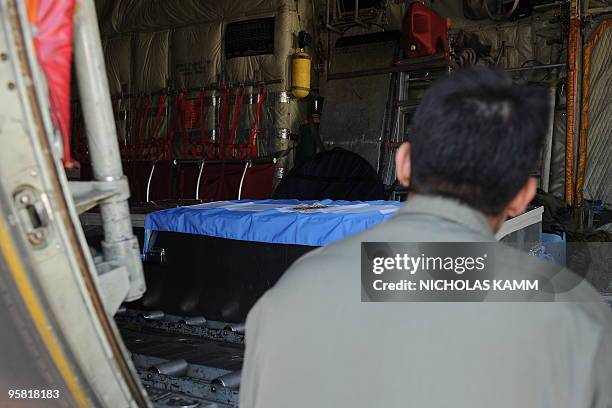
(311, 223)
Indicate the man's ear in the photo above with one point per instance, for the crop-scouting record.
(521, 200)
(403, 169)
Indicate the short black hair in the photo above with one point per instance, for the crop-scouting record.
(476, 136)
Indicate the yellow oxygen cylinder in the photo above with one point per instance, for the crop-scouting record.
(300, 74)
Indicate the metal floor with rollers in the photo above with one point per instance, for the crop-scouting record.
(184, 362)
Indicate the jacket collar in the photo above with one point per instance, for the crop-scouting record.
(448, 209)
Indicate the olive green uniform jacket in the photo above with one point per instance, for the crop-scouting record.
(311, 341)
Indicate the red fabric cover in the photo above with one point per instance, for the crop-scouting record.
(163, 181)
(221, 181)
(53, 44)
(258, 182)
(137, 173)
(187, 175)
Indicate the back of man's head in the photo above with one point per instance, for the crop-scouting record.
(476, 136)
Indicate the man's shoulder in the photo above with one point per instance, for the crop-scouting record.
(337, 269)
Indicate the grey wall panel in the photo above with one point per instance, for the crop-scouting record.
(143, 15)
(118, 58)
(557, 162)
(196, 55)
(354, 110)
(598, 177)
(150, 61)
